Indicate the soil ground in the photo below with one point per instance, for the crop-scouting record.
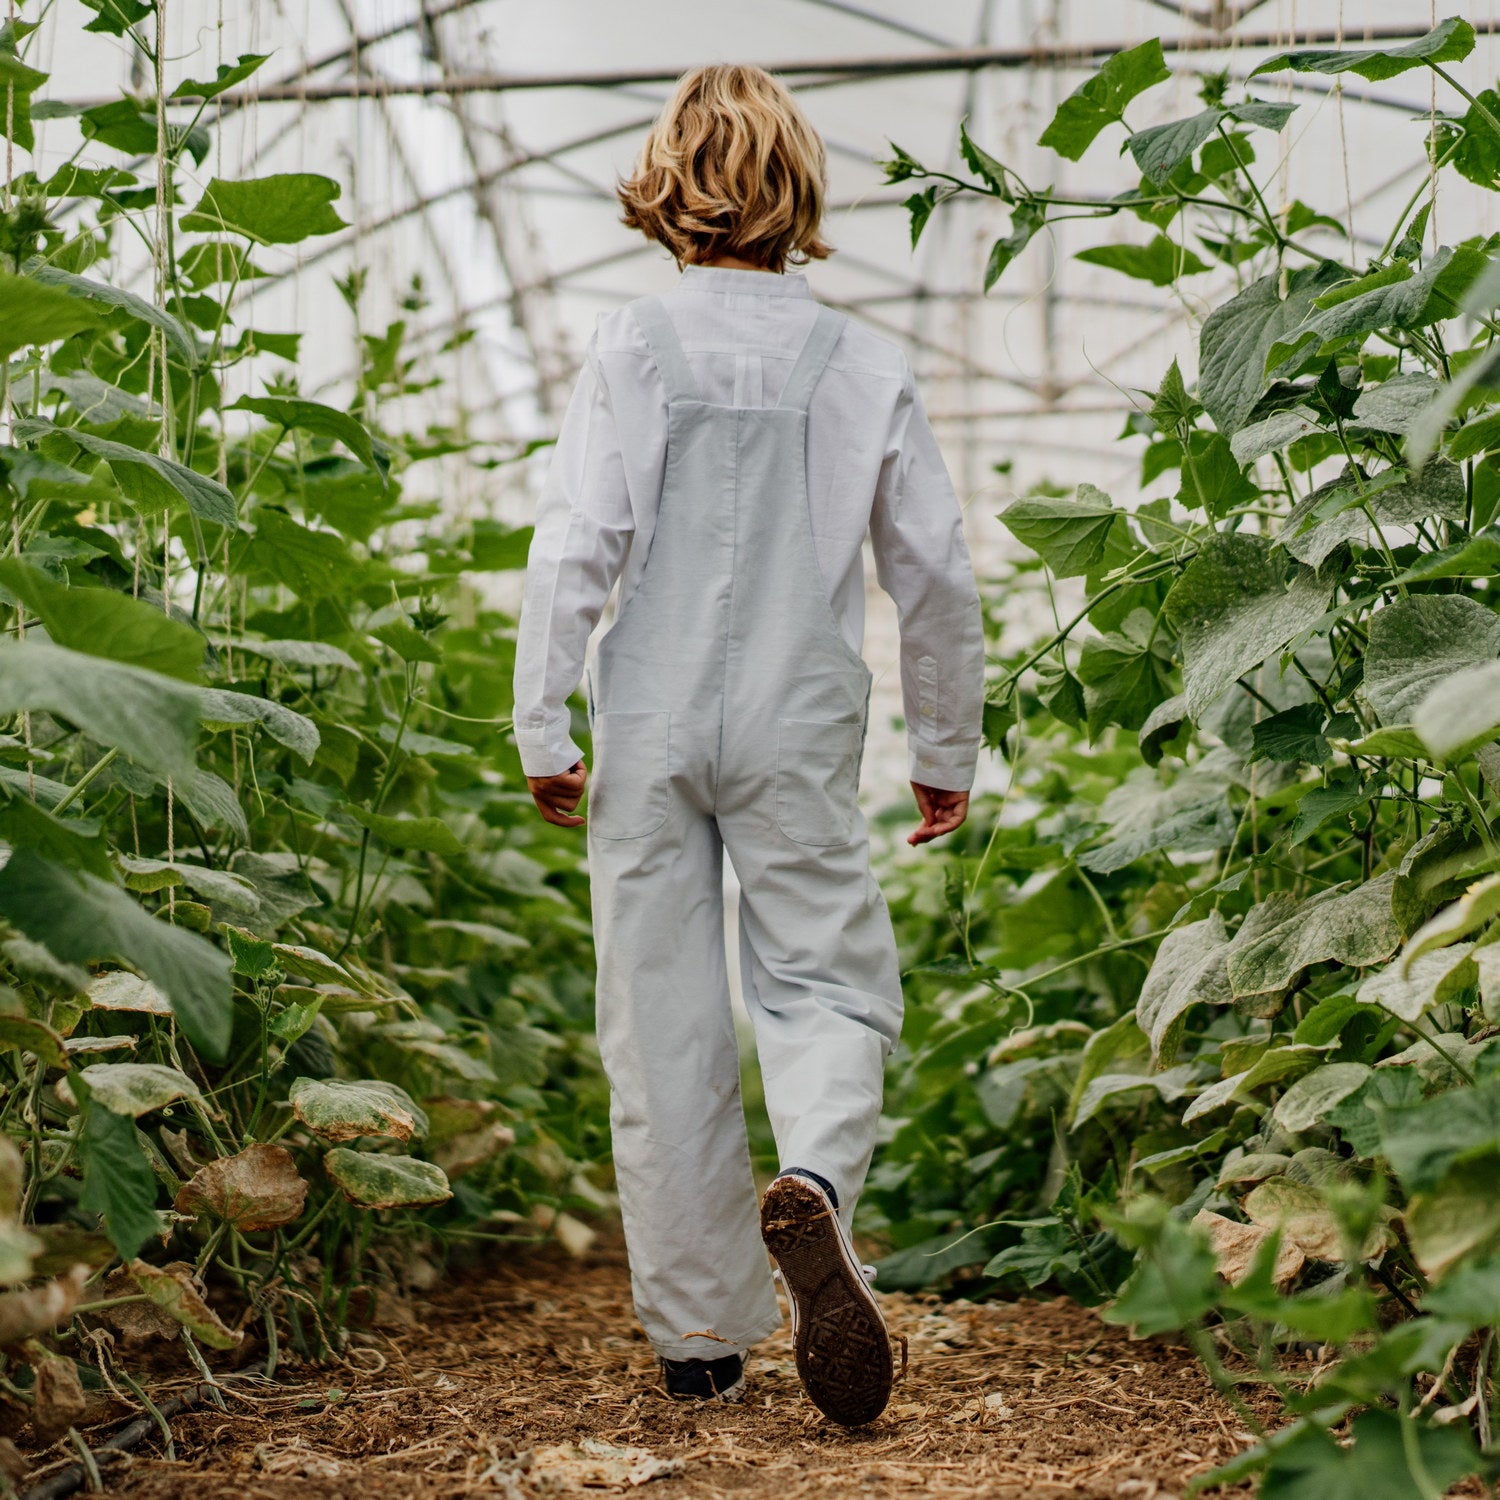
(528, 1377)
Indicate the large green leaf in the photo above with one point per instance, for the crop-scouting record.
(1411, 990)
(1354, 927)
(116, 17)
(1418, 641)
(1421, 1141)
(1459, 1217)
(31, 313)
(427, 835)
(1161, 149)
(118, 1183)
(1188, 970)
(1191, 815)
(280, 210)
(1340, 510)
(26, 824)
(371, 1180)
(313, 564)
(145, 478)
(152, 718)
(1461, 713)
(1451, 41)
(1237, 337)
(1101, 100)
(221, 708)
(1069, 535)
(98, 294)
(80, 918)
(104, 622)
(311, 416)
(226, 75)
(1309, 1100)
(1233, 607)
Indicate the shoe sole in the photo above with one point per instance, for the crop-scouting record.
(842, 1347)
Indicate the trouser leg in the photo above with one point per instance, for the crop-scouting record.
(666, 1038)
(822, 984)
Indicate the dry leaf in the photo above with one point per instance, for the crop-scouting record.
(35, 1309)
(257, 1188)
(1236, 1245)
(595, 1465)
(171, 1288)
(60, 1402)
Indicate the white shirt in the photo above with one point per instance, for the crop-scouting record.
(873, 466)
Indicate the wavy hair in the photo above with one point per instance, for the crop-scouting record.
(731, 167)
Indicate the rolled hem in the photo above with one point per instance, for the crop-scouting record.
(719, 1348)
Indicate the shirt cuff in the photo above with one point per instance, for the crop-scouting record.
(949, 770)
(547, 756)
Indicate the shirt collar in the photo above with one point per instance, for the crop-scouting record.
(745, 283)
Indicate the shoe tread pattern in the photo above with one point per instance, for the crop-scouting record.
(842, 1348)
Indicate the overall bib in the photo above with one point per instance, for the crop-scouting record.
(728, 712)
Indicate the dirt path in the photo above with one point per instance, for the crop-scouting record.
(503, 1373)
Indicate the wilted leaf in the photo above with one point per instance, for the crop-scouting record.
(25, 1314)
(257, 1188)
(340, 1111)
(1304, 1220)
(1236, 1245)
(372, 1180)
(122, 990)
(1437, 491)
(1273, 1066)
(58, 1399)
(1190, 815)
(173, 1288)
(135, 1089)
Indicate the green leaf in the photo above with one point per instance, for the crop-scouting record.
(226, 75)
(428, 835)
(97, 294)
(145, 478)
(153, 719)
(1173, 1284)
(80, 918)
(126, 125)
(135, 1089)
(1212, 478)
(919, 207)
(17, 84)
(297, 653)
(118, 1183)
(1237, 337)
(1188, 970)
(1273, 1066)
(252, 956)
(313, 564)
(1310, 1465)
(1351, 926)
(1160, 262)
(1475, 909)
(1025, 223)
(32, 313)
(408, 642)
(1461, 713)
(103, 622)
(116, 17)
(1070, 536)
(220, 709)
(280, 210)
(1308, 1101)
(1295, 734)
(1451, 41)
(1460, 1216)
(378, 1181)
(311, 416)
(1322, 804)
(25, 824)
(1233, 607)
(1124, 681)
(339, 1111)
(1190, 816)
(1101, 100)
(1394, 404)
(1333, 514)
(1470, 1295)
(1417, 642)
(1411, 990)
(1161, 149)
(1472, 139)
(1422, 1141)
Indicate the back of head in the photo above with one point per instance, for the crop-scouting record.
(731, 168)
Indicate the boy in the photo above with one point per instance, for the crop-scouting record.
(725, 452)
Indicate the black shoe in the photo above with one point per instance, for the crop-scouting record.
(842, 1347)
(705, 1379)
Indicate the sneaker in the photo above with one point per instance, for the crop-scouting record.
(705, 1379)
(843, 1349)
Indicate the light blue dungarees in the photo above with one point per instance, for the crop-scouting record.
(728, 712)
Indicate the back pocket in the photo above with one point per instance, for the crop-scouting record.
(817, 779)
(628, 796)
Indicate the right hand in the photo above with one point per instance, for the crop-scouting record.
(557, 796)
(942, 811)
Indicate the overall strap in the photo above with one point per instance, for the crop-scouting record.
(666, 349)
(808, 370)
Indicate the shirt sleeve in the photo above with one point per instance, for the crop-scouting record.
(922, 562)
(584, 526)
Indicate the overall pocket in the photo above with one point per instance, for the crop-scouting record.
(817, 779)
(628, 794)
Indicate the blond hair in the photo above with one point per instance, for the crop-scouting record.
(731, 167)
